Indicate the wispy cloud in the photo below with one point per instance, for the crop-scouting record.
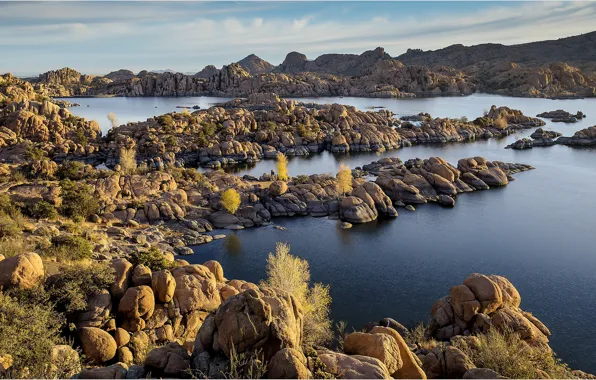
(188, 36)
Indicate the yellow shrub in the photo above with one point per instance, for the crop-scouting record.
(501, 123)
(344, 179)
(128, 161)
(230, 200)
(113, 119)
(507, 354)
(282, 167)
(291, 274)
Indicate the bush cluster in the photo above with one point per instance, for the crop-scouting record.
(77, 200)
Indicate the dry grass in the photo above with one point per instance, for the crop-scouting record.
(12, 246)
(291, 274)
(128, 161)
(230, 200)
(510, 356)
(500, 123)
(282, 167)
(421, 337)
(344, 179)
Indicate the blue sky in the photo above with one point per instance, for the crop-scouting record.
(97, 37)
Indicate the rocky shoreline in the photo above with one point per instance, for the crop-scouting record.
(190, 321)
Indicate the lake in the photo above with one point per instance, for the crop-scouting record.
(538, 231)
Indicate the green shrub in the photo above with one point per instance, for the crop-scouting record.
(35, 154)
(73, 285)
(28, 331)
(8, 226)
(42, 210)
(300, 179)
(151, 258)
(12, 246)
(77, 200)
(70, 248)
(165, 120)
(71, 170)
(291, 274)
(510, 356)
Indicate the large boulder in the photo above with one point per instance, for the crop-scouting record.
(21, 271)
(115, 371)
(98, 345)
(486, 292)
(278, 188)
(137, 302)
(196, 289)
(288, 363)
(353, 366)
(163, 285)
(123, 273)
(266, 320)
(410, 368)
(170, 360)
(381, 346)
(97, 310)
(215, 268)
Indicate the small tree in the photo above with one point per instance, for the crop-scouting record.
(344, 179)
(291, 274)
(230, 200)
(128, 161)
(113, 119)
(282, 167)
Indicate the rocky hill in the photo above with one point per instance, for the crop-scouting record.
(338, 64)
(255, 65)
(519, 70)
(576, 50)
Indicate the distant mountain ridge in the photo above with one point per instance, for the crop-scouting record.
(576, 50)
(529, 70)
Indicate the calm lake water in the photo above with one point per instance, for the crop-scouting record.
(538, 231)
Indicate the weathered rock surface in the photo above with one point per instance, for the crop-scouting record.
(22, 271)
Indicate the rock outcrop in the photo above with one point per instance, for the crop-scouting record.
(482, 302)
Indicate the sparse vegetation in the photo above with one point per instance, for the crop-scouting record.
(506, 353)
(43, 210)
(151, 258)
(282, 167)
(128, 161)
(230, 200)
(68, 247)
(344, 179)
(291, 274)
(500, 123)
(73, 285)
(12, 246)
(246, 365)
(77, 200)
(420, 337)
(28, 331)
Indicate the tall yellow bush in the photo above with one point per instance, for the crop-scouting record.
(344, 179)
(230, 200)
(113, 119)
(291, 274)
(282, 167)
(128, 161)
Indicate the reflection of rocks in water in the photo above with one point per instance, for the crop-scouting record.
(233, 244)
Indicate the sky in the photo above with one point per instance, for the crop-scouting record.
(96, 37)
